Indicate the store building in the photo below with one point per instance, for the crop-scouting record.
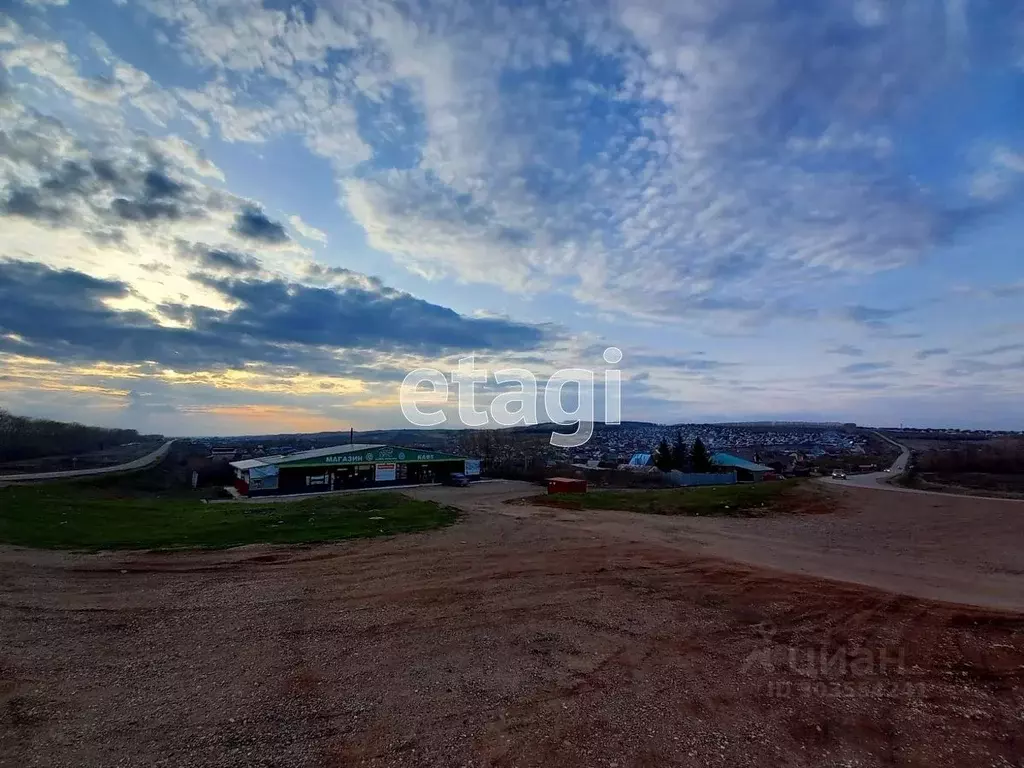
(347, 466)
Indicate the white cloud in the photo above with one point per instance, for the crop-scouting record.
(735, 153)
(188, 157)
(307, 230)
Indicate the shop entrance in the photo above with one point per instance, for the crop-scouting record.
(354, 476)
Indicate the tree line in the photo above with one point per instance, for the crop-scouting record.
(1002, 457)
(25, 438)
(681, 457)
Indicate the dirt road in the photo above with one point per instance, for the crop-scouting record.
(509, 639)
(952, 548)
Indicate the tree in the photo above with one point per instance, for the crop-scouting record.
(700, 457)
(680, 454)
(663, 456)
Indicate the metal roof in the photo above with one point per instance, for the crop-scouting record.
(728, 460)
(333, 450)
(329, 451)
(248, 463)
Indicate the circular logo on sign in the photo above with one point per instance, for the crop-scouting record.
(369, 456)
(401, 454)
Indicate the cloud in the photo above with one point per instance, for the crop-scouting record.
(870, 316)
(65, 315)
(740, 154)
(924, 354)
(1001, 349)
(229, 261)
(252, 223)
(846, 349)
(877, 320)
(1005, 291)
(307, 231)
(968, 367)
(864, 368)
(49, 177)
(187, 157)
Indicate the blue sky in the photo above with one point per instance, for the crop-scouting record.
(249, 216)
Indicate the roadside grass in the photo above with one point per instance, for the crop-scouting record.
(102, 515)
(746, 500)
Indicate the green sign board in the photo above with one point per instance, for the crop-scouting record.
(385, 453)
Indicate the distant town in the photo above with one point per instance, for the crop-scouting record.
(790, 447)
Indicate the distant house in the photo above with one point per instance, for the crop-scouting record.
(641, 460)
(745, 470)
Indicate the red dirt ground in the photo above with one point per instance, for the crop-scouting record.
(517, 637)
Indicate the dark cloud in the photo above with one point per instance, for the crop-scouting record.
(141, 196)
(158, 186)
(145, 210)
(61, 315)
(71, 178)
(324, 275)
(105, 170)
(357, 317)
(229, 261)
(846, 349)
(91, 190)
(28, 204)
(251, 222)
(924, 354)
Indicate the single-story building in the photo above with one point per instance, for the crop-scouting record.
(357, 465)
(641, 460)
(745, 470)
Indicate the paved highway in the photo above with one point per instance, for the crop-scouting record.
(146, 461)
(876, 480)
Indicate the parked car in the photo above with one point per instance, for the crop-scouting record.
(838, 474)
(457, 479)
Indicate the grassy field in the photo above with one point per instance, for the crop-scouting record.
(104, 515)
(751, 500)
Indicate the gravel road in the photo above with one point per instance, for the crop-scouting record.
(516, 637)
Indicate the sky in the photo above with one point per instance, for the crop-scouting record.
(256, 216)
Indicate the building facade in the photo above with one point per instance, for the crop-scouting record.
(347, 466)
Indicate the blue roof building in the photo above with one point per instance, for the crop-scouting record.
(641, 460)
(735, 462)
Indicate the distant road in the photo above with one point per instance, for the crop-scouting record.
(876, 480)
(146, 461)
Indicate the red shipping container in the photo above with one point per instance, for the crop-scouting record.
(566, 485)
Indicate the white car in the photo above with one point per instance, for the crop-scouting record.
(838, 474)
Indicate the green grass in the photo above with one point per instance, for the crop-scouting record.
(755, 499)
(102, 515)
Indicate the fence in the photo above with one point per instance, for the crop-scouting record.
(694, 478)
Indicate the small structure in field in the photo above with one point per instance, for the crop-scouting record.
(566, 485)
